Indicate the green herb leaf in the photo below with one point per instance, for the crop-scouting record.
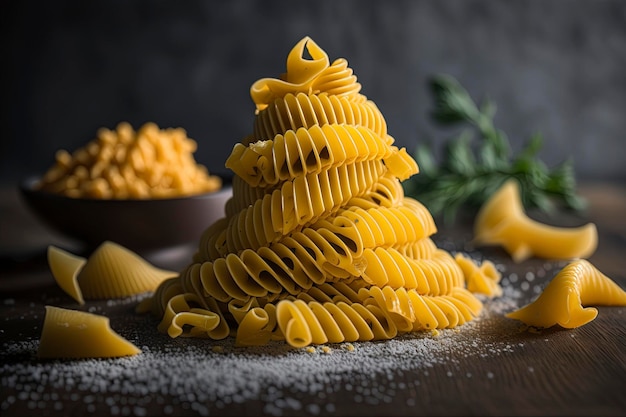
(464, 179)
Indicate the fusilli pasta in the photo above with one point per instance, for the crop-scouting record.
(318, 243)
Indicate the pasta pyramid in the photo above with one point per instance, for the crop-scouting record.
(319, 244)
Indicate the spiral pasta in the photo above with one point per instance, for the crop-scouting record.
(306, 198)
(318, 243)
(292, 112)
(305, 151)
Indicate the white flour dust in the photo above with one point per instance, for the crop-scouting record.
(204, 376)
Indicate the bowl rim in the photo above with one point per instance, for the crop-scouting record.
(26, 186)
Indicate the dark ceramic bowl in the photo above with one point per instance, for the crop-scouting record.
(139, 225)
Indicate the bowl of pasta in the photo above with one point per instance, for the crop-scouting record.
(142, 189)
(142, 225)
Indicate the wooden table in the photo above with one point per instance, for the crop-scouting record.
(490, 367)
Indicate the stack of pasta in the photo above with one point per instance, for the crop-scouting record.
(319, 244)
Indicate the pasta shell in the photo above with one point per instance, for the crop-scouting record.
(65, 268)
(78, 334)
(568, 298)
(111, 271)
(502, 221)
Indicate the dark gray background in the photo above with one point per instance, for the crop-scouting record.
(557, 67)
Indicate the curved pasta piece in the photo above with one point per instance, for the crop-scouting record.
(319, 193)
(388, 226)
(483, 278)
(313, 75)
(387, 192)
(309, 151)
(304, 323)
(243, 195)
(157, 304)
(295, 204)
(294, 264)
(401, 164)
(395, 303)
(78, 334)
(435, 276)
(180, 319)
(414, 311)
(335, 312)
(255, 328)
(381, 315)
(337, 79)
(111, 271)
(295, 326)
(564, 300)
(333, 292)
(295, 111)
(208, 247)
(300, 73)
(421, 249)
(65, 267)
(502, 221)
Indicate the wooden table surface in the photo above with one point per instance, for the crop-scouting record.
(492, 367)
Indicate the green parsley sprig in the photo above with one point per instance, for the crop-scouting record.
(477, 161)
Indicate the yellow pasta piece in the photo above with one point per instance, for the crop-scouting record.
(503, 221)
(301, 74)
(435, 276)
(78, 334)
(483, 278)
(337, 79)
(297, 203)
(111, 271)
(255, 328)
(65, 267)
(566, 299)
(309, 151)
(388, 226)
(294, 264)
(294, 111)
(199, 322)
(168, 289)
(124, 164)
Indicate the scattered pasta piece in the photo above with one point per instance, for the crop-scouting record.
(77, 334)
(483, 279)
(65, 268)
(502, 221)
(111, 271)
(564, 300)
(124, 164)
